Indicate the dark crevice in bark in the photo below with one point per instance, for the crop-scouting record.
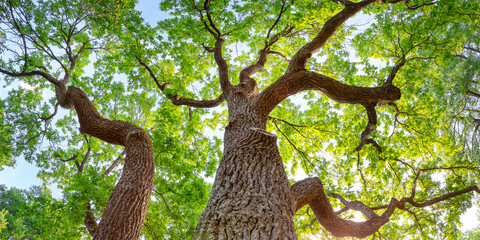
(250, 198)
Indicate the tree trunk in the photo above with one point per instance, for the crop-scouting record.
(127, 207)
(251, 196)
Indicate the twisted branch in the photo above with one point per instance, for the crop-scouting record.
(310, 191)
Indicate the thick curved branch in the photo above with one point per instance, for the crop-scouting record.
(60, 87)
(292, 83)
(180, 100)
(111, 131)
(310, 191)
(301, 58)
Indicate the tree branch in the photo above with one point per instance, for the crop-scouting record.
(217, 51)
(310, 191)
(292, 83)
(136, 182)
(414, 7)
(90, 221)
(114, 164)
(394, 71)
(301, 58)
(180, 100)
(262, 58)
(206, 6)
(222, 66)
(355, 205)
(473, 49)
(45, 75)
(84, 161)
(372, 123)
(473, 94)
(279, 54)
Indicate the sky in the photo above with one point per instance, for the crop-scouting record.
(23, 174)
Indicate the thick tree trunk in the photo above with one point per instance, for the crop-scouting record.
(251, 194)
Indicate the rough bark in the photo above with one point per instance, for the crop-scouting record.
(250, 197)
(302, 80)
(127, 206)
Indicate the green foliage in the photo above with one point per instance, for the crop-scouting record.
(35, 214)
(6, 140)
(434, 126)
(3, 221)
(472, 235)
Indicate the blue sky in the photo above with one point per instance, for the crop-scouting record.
(23, 175)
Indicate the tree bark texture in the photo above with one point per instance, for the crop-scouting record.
(251, 194)
(126, 209)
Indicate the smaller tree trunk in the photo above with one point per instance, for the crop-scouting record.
(127, 207)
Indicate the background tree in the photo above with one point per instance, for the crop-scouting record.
(384, 146)
(35, 214)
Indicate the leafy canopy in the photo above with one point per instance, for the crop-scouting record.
(431, 130)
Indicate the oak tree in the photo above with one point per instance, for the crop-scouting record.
(375, 100)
